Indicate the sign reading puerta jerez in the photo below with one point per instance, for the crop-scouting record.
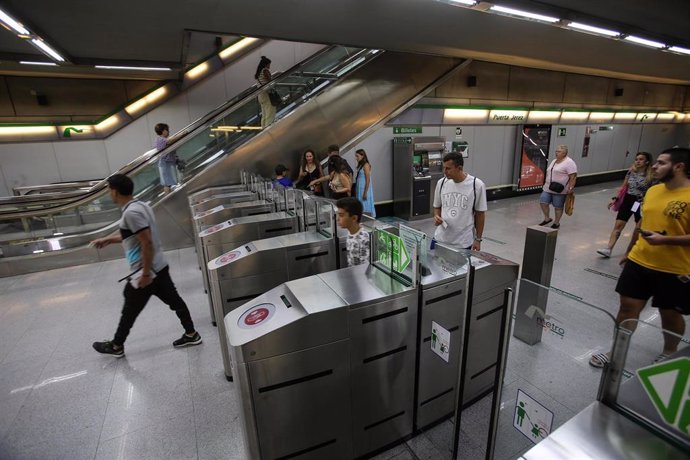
(534, 155)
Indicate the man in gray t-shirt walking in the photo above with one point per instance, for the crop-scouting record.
(149, 273)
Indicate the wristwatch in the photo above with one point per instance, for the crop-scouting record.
(478, 239)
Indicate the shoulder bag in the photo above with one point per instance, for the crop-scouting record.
(555, 187)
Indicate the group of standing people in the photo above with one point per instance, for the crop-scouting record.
(340, 179)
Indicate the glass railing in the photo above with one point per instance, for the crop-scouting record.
(654, 385)
(546, 381)
(204, 145)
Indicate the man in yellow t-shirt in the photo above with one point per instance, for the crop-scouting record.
(657, 265)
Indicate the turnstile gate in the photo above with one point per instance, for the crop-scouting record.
(325, 365)
(247, 271)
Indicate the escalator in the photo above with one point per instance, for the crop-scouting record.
(338, 96)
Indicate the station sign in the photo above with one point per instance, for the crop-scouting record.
(407, 130)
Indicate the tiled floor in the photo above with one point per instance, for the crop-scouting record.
(60, 399)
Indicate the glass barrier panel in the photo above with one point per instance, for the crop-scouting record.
(547, 379)
(655, 388)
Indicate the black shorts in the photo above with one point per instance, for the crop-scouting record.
(666, 289)
(625, 211)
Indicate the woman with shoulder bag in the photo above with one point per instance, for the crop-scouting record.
(340, 183)
(309, 170)
(263, 76)
(560, 181)
(629, 198)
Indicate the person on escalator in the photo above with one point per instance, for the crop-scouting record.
(263, 76)
(166, 163)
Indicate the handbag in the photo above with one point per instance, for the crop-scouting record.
(275, 98)
(181, 164)
(569, 204)
(556, 187)
(616, 206)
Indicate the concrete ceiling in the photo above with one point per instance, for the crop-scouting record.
(174, 34)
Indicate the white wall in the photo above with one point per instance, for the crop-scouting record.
(492, 149)
(37, 163)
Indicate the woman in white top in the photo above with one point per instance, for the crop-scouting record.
(560, 181)
(263, 76)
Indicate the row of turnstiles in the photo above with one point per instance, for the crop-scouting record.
(333, 361)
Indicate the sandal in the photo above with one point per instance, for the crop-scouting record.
(546, 222)
(661, 357)
(599, 360)
(555, 225)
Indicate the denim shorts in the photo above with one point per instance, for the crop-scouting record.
(556, 199)
(168, 173)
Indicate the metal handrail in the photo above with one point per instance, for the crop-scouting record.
(28, 189)
(146, 158)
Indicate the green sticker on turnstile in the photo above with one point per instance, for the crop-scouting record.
(668, 386)
(392, 251)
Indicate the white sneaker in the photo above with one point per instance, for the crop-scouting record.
(606, 252)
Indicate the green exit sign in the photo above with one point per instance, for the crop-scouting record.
(407, 130)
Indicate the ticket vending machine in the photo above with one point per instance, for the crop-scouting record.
(417, 167)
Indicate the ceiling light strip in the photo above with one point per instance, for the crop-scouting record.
(125, 67)
(592, 29)
(644, 41)
(523, 14)
(47, 49)
(13, 24)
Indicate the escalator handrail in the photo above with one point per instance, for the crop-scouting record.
(147, 157)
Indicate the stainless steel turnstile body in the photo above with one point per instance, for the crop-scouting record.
(224, 237)
(198, 197)
(325, 365)
(225, 212)
(223, 198)
(254, 268)
(444, 301)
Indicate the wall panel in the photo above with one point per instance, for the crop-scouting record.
(81, 160)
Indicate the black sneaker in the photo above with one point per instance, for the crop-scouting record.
(108, 348)
(186, 340)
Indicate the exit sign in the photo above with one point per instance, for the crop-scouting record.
(407, 130)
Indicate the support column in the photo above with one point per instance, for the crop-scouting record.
(537, 265)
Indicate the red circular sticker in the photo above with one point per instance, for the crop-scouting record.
(227, 257)
(256, 316)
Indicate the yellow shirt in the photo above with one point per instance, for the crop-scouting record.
(668, 211)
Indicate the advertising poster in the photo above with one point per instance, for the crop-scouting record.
(534, 155)
(585, 145)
